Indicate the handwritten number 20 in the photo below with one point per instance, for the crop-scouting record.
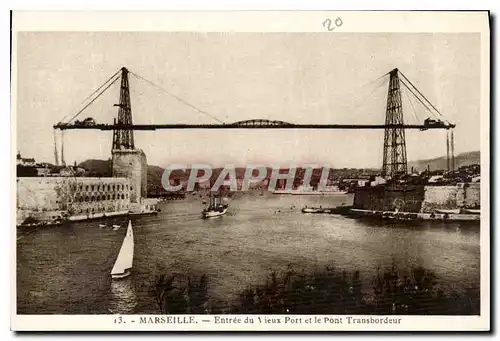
(331, 25)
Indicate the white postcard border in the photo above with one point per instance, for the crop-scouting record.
(266, 21)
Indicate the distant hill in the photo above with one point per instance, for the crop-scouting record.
(463, 159)
(96, 167)
(154, 175)
(102, 168)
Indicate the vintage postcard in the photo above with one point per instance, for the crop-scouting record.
(267, 170)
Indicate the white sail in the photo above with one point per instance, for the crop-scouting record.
(126, 256)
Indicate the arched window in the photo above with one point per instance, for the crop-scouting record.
(113, 196)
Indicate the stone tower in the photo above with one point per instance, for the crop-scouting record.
(131, 164)
(127, 161)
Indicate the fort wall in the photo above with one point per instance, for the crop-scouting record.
(414, 198)
(389, 198)
(463, 195)
(49, 198)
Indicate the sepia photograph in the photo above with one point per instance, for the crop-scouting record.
(210, 178)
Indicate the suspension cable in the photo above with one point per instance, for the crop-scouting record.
(429, 102)
(176, 97)
(94, 99)
(413, 110)
(353, 97)
(93, 93)
(99, 88)
(418, 98)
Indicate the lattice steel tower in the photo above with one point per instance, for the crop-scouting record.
(395, 163)
(124, 139)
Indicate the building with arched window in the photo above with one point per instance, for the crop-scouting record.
(47, 199)
(78, 198)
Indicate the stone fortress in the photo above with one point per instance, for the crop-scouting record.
(49, 200)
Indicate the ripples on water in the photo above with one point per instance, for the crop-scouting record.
(123, 299)
(66, 269)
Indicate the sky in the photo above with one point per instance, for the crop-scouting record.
(294, 77)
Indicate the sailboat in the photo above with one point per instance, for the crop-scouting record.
(123, 264)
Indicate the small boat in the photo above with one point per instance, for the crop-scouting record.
(317, 210)
(123, 263)
(309, 190)
(343, 209)
(102, 226)
(311, 210)
(215, 208)
(472, 211)
(116, 226)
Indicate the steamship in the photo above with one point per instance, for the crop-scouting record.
(216, 207)
(309, 190)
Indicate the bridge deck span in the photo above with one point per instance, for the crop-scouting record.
(234, 126)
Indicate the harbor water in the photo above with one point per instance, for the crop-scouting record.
(66, 269)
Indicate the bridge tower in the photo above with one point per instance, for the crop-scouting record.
(127, 161)
(124, 139)
(394, 164)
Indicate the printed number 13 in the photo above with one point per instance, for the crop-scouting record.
(119, 320)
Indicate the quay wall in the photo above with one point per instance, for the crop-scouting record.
(464, 195)
(417, 198)
(389, 198)
(50, 198)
